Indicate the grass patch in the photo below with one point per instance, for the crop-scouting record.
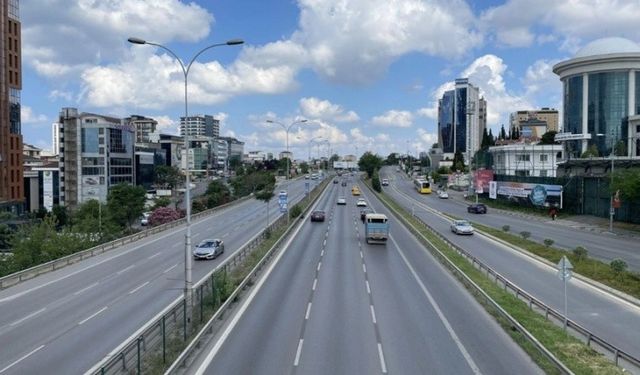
(625, 281)
(572, 352)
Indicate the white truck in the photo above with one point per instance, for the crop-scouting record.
(376, 228)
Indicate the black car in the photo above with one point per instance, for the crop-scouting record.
(344, 183)
(317, 215)
(364, 212)
(477, 208)
(335, 181)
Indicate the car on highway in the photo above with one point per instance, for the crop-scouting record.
(443, 195)
(361, 203)
(355, 190)
(477, 208)
(461, 227)
(385, 182)
(364, 212)
(317, 215)
(342, 201)
(344, 183)
(335, 181)
(209, 249)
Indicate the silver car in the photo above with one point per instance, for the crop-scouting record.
(461, 227)
(209, 249)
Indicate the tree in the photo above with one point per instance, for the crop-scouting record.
(375, 181)
(492, 139)
(265, 195)
(217, 193)
(91, 218)
(125, 203)
(486, 142)
(620, 149)
(60, 214)
(627, 181)
(369, 162)
(167, 176)
(392, 159)
(304, 167)
(458, 162)
(592, 151)
(503, 134)
(548, 138)
(161, 202)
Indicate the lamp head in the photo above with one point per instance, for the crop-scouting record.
(136, 40)
(234, 42)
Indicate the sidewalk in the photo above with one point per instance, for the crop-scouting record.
(587, 223)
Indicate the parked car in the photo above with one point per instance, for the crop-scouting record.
(209, 249)
(342, 201)
(385, 182)
(461, 227)
(364, 213)
(477, 208)
(361, 203)
(443, 195)
(144, 221)
(317, 215)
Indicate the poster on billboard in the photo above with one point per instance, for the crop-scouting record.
(536, 194)
(47, 190)
(482, 179)
(493, 190)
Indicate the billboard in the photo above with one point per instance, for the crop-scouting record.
(536, 194)
(482, 179)
(344, 165)
(47, 190)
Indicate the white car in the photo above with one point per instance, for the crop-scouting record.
(385, 182)
(461, 227)
(361, 203)
(342, 201)
(144, 221)
(443, 195)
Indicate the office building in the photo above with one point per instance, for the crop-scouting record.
(461, 120)
(97, 152)
(173, 146)
(602, 98)
(526, 159)
(235, 147)
(200, 126)
(11, 174)
(534, 123)
(144, 127)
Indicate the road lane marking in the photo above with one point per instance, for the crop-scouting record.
(441, 315)
(170, 268)
(373, 315)
(361, 255)
(138, 288)
(92, 316)
(364, 268)
(324, 243)
(368, 287)
(306, 315)
(28, 316)
(315, 282)
(319, 265)
(383, 364)
(154, 255)
(322, 253)
(125, 269)
(85, 289)
(21, 358)
(297, 360)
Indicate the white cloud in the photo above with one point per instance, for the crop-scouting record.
(325, 110)
(394, 118)
(167, 125)
(60, 94)
(426, 139)
(540, 78)
(27, 116)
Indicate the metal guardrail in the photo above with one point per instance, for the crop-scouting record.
(619, 356)
(56, 264)
(159, 334)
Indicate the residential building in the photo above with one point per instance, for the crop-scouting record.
(200, 126)
(253, 156)
(31, 150)
(602, 98)
(534, 123)
(461, 120)
(144, 127)
(97, 153)
(11, 175)
(526, 159)
(55, 138)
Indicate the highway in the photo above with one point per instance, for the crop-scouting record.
(606, 316)
(66, 321)
(333, 304)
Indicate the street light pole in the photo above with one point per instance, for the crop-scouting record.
(188, 282)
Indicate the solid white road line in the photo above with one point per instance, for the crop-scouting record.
(373, 315)
(170, 268)
(85, 289)
(297, 360)
(28, 316)
(21, 358)
(383, 364)
(306, 315)
(92, 316)
(441, 315)
(138, 288)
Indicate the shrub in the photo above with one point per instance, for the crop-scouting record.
(506, 228)
(375, 181)
(618, 266)
(548, 242)
(163, 215)
(525, 234)
(295, 211)
(580, 253)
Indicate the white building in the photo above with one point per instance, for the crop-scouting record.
(522, 159)
(220, 154)
(200, 126)
(252, 156)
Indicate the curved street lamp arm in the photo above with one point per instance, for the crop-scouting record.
(184, 71)
(200, 53)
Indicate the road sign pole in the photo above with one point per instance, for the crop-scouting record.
(565, 304)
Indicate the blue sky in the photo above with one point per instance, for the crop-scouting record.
(365, 73)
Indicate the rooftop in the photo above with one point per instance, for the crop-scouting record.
(605, 46)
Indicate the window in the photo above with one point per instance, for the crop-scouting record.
(544, 158)
(522, 157)
(90, 140)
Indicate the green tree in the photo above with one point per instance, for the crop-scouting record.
(167, 176)
(592, 151)
(458, 162)
(392, 159)
(265, 195)
(161, 202)
(503, 134)
(304, 167)
(125, 204)
(91, 219)
(549, 138)
(627, 181)
(5, 236)
(375, 181)
(369, 163)
(60, 214)
(620, 149)
(217, 193)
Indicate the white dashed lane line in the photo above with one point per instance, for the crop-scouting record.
(92, 316)
(138, 288)
(28, 317)
(21, 358)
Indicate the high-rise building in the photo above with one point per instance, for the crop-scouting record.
(97, 152)
(55, 138)
(144, 127)
(235, 147)
(461, 120)
(200, 126)
(534, 123)
(11, 173)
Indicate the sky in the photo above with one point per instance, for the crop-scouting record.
(365, 74)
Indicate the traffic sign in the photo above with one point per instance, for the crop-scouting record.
(564, 269)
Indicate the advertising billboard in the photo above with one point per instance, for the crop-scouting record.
(47, 190)
(536, 194)
(482, 178)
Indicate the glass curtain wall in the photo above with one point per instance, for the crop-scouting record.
(607, 108)
(573, 113)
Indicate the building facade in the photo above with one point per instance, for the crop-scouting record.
(145, 128)
(97, 152)
(55, 138)
(601, 97)
(235, 147)
(533, 123)
(11, 174)
(200, 126)
(461, 120)
(526, 159)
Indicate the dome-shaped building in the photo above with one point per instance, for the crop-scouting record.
(602, 98)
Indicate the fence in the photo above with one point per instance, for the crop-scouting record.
(56, 264)
(157, 339)
(620, 357)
